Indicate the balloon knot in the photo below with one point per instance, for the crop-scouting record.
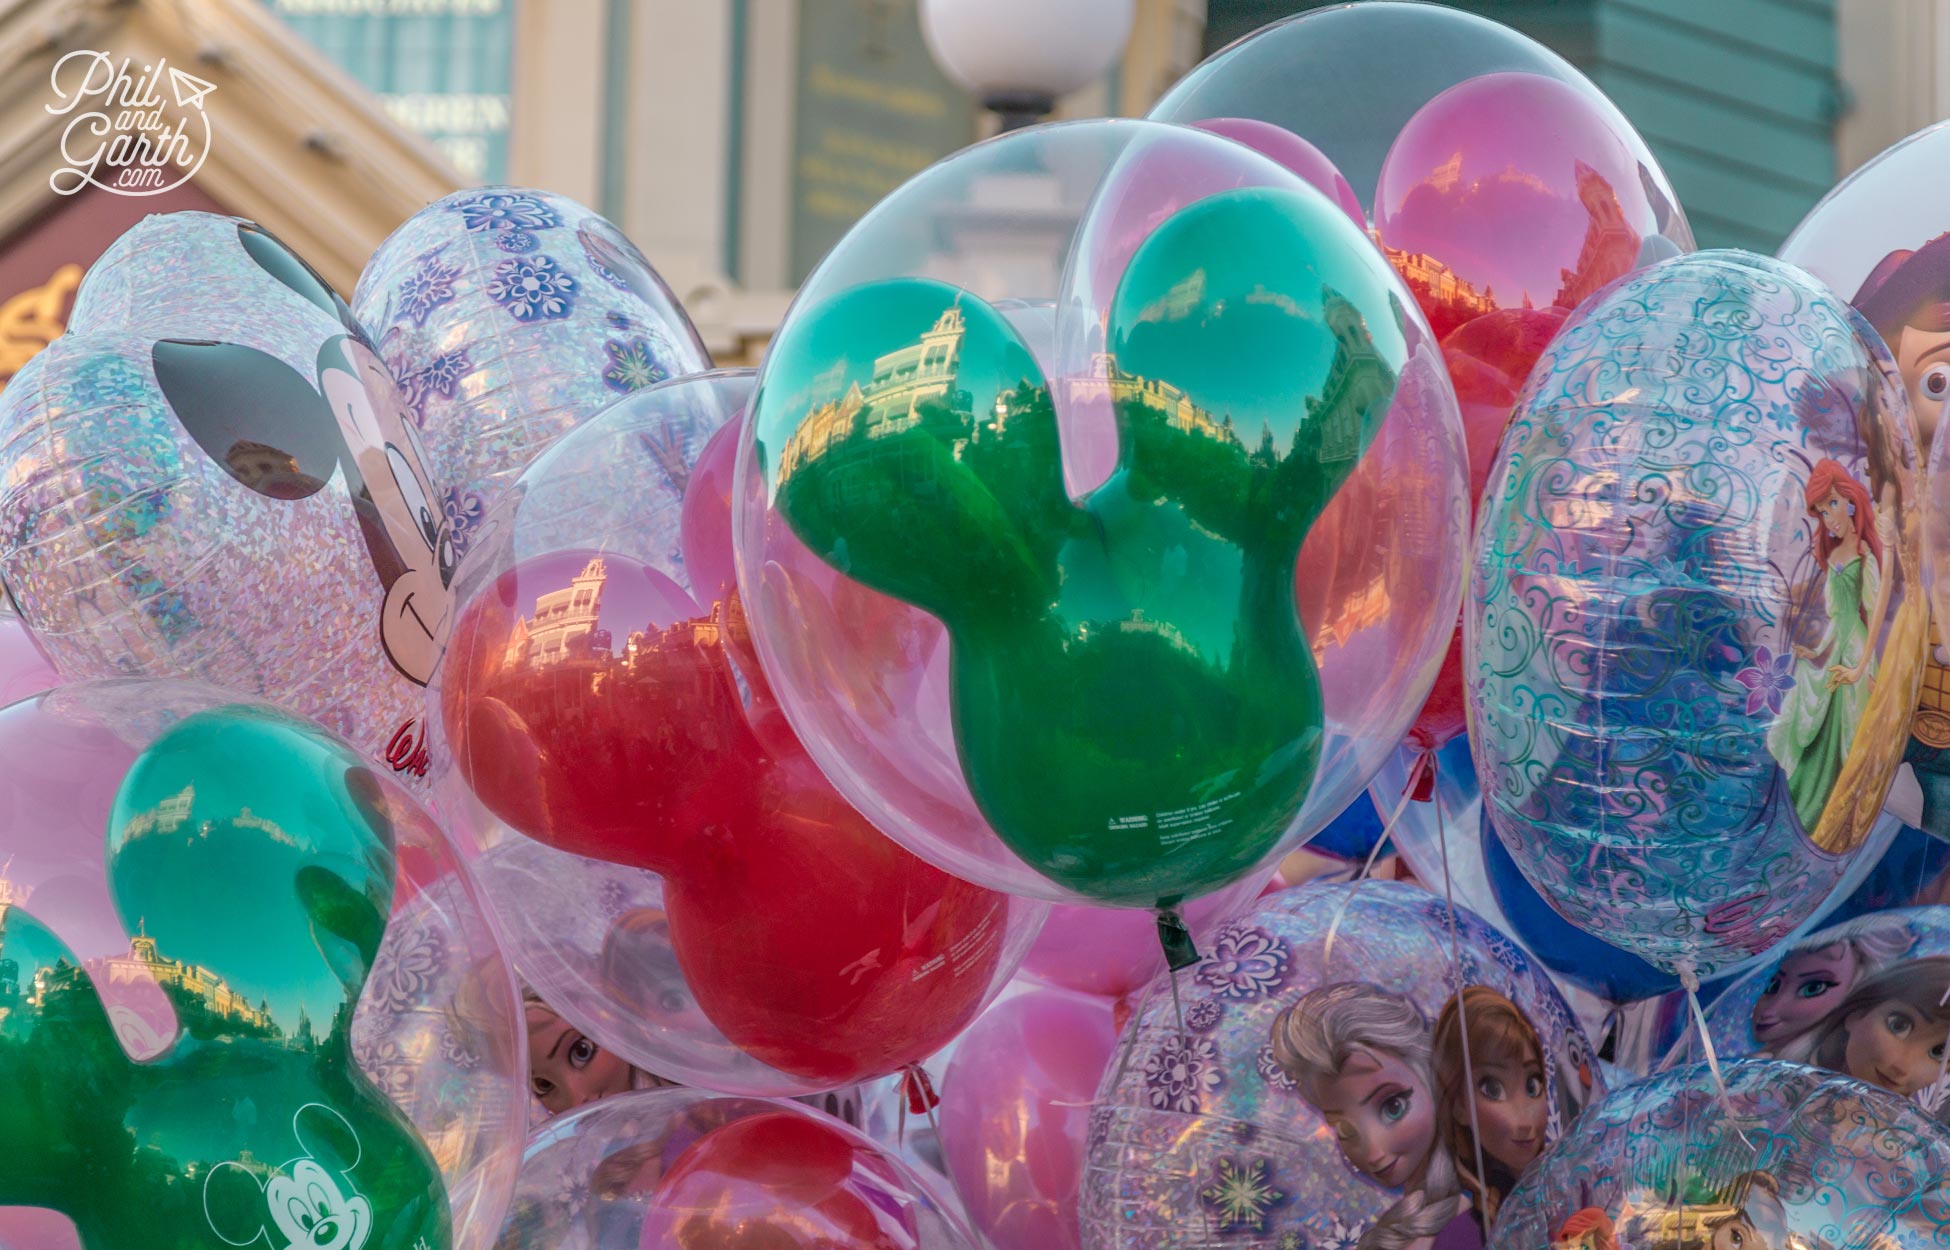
(1176, 939)
(918, 1090)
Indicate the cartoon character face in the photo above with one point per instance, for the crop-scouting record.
(305, 1204)
(1511, 1111)
(1892, 1045)
(1923, 356)
(1804, 989)
(1737, 1233)
(311, 1214)
(1382, 1114)
(1837, 516)
(282, 436)
(566, 1069)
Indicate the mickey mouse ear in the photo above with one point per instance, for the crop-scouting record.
(251, 413)
(289, 268)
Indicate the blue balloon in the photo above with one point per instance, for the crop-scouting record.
(1353, 834)
(1783, 1156)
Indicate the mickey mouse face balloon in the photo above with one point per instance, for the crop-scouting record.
(213, 475)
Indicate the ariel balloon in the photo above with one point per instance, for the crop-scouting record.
(1134, 703)
(1696, 625)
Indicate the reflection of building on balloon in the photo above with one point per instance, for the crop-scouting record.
(904, 379)
(1443, 294)
(186, 984)
(564, 625)
(1610, 248)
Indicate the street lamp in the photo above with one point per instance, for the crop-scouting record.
(1018, 56)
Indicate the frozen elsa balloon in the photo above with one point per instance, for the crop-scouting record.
(1361, 1055)
(1816, 974)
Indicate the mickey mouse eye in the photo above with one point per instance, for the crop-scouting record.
(414, 496)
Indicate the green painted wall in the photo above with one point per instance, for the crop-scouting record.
(1737, 98)
(441, 67)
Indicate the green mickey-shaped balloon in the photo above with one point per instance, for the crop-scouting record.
(253, 857)
(1136, 707)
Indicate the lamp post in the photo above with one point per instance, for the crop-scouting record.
(1018, 56)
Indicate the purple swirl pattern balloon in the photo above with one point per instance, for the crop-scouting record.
(511, 316)
(1201, 1138)
(1713, 467)
(1789, 1156)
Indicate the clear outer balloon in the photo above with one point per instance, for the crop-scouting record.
(1695, 631)
(510, 317)
(1505, 202)
(1118, 772)
(1200, 1127)
(212, 476)
(1882, 239)
(1296, 154)
(1865, 998)
(687, 1170)
(1348, 78)
(783, 946)
(229, 945)
(1114, 953)
(24, 667)
(1015, 1109)
(1783, 1156)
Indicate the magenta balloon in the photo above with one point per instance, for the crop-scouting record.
(1015, 1108)
(1515, 191)
(24, 669)
(1112, 953)
(1296, 154)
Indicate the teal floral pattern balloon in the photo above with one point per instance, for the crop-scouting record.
(1695, 623)
(1786, 1156)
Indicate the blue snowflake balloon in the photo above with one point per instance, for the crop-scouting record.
(1696, 619)
(1787, 1158)
(511, 316)
(1294, 1095)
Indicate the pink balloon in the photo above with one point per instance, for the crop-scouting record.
(1015, 1110)
(1296, 154)
(1504, 203)
(1113, 953)
(24, 669)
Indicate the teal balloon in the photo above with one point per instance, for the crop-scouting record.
(1136, 709)
(247, 846)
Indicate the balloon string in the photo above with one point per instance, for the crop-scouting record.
(1943, 1064)
(1422, 763)
(1689, 979)
(1127, 1046)
(1462, 1006)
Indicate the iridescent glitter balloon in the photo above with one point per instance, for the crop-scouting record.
(1782, 1157)
(212, 476)
(512, 316)
(1313, 1093)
